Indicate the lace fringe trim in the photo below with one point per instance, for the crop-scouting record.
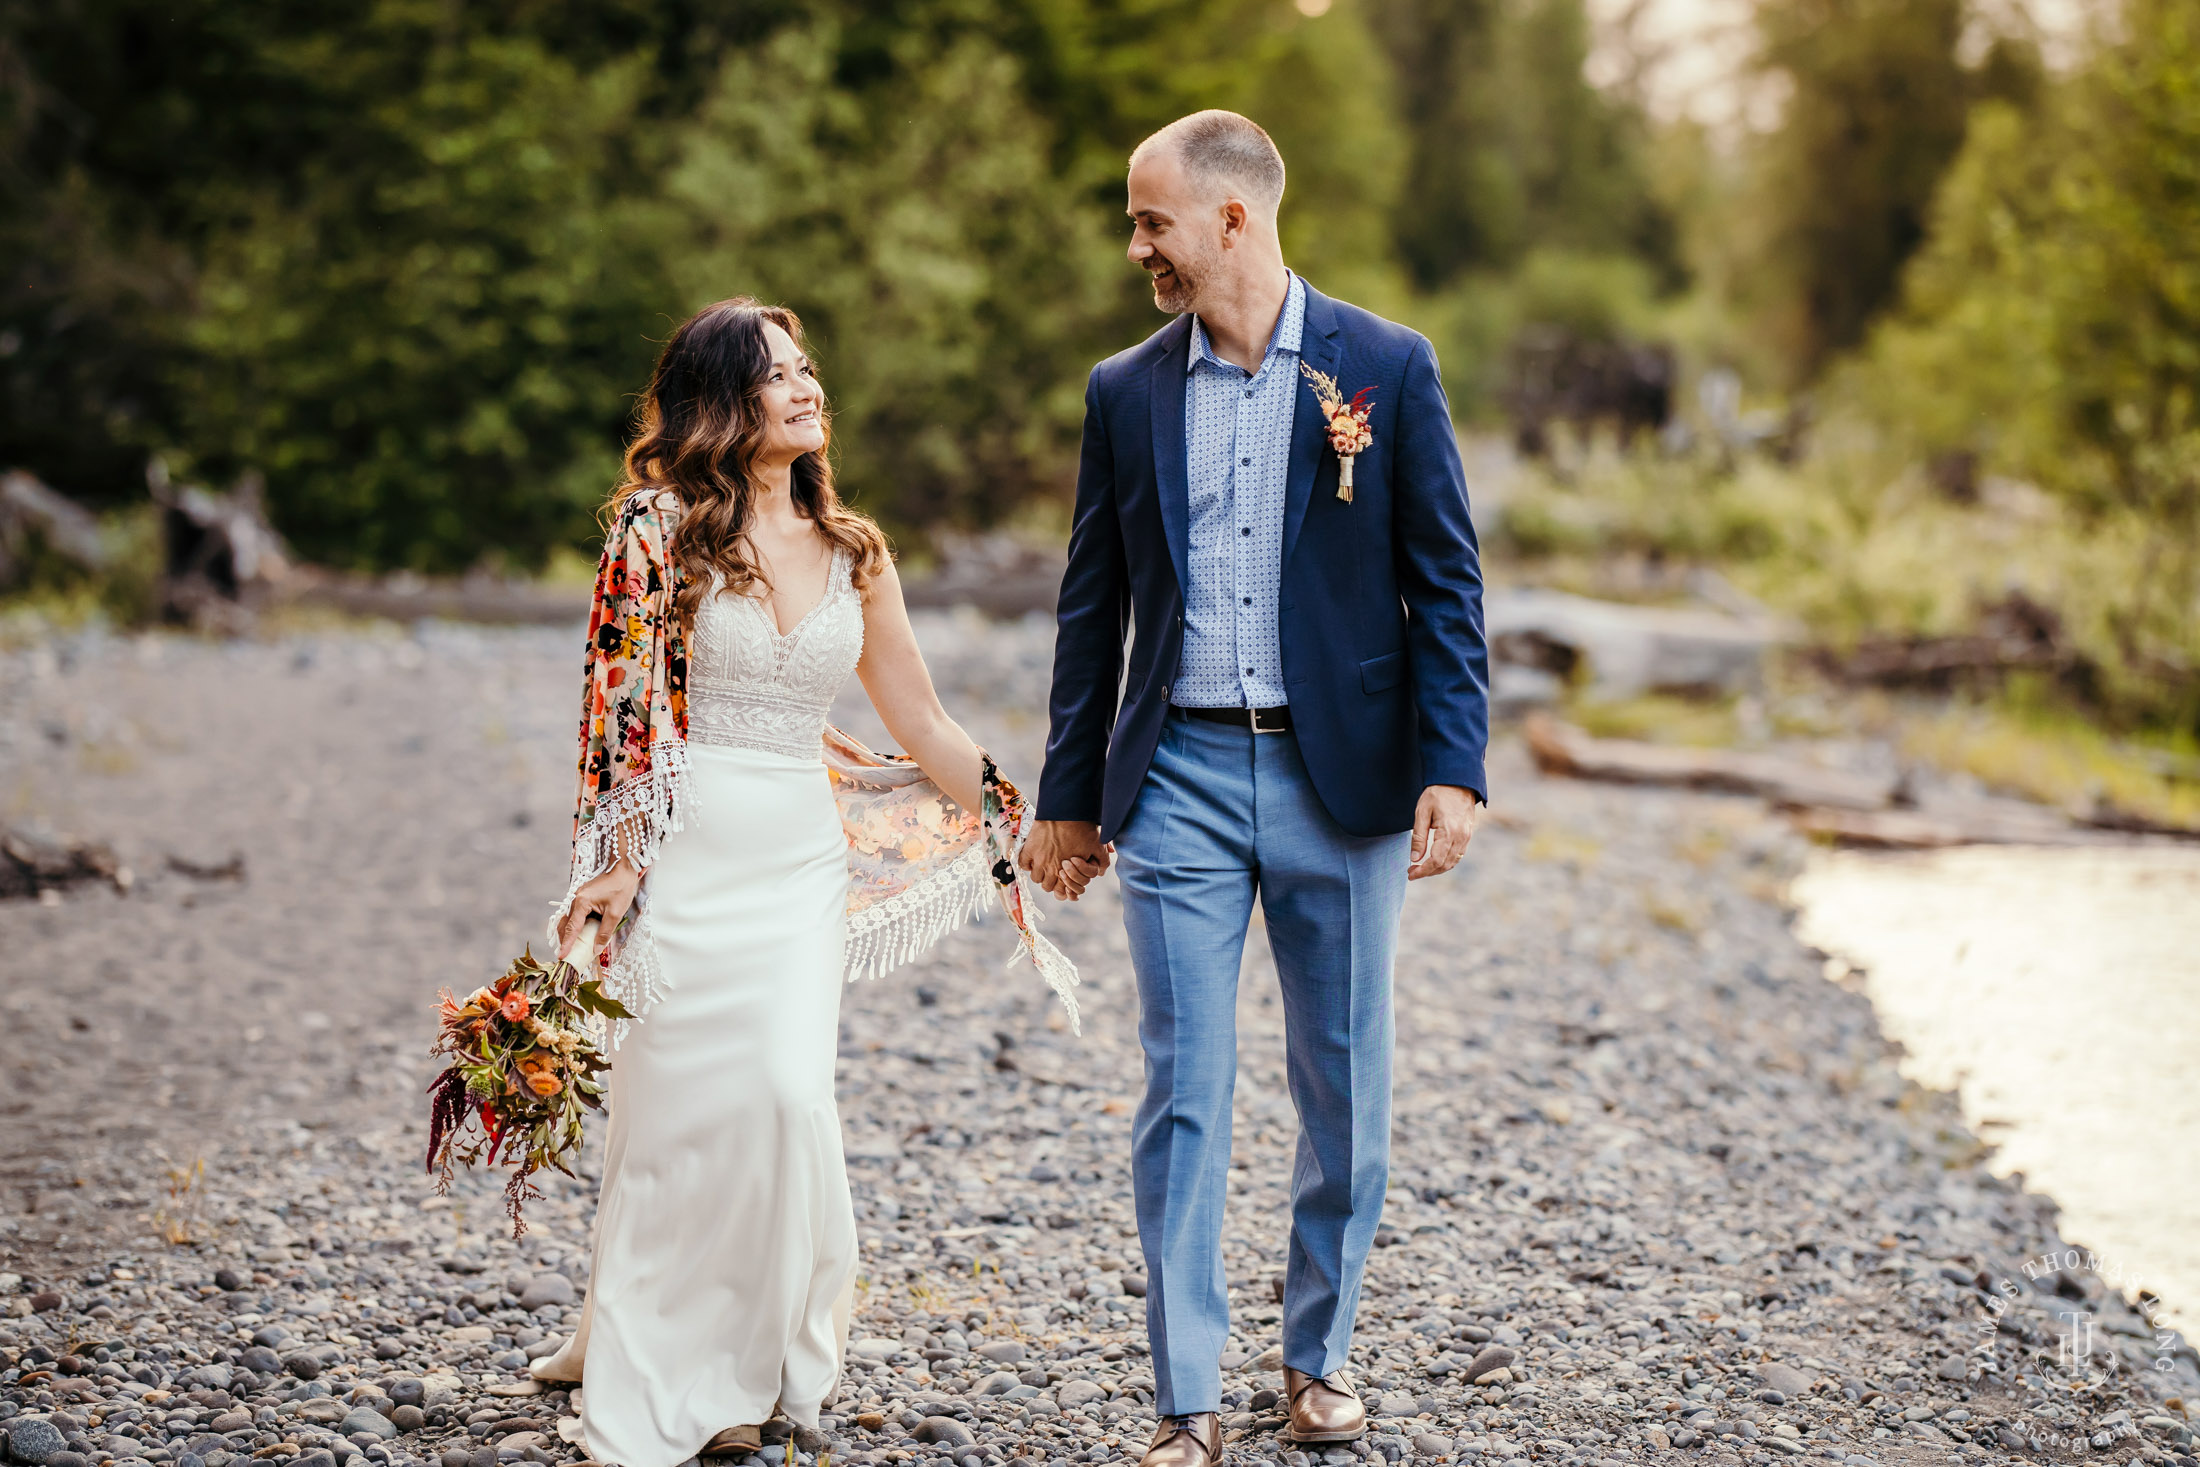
(887, 934)
(890, 933)
(1059, 972)
(634, 820)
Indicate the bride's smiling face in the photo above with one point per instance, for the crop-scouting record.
(791, 403)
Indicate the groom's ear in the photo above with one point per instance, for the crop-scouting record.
(1235, 217)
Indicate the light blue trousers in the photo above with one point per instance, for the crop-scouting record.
(1225, 813)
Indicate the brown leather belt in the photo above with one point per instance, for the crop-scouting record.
(1259, 720)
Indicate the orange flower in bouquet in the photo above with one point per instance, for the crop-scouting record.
(525, 1053)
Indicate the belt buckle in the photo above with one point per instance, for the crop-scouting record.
(1253, 721)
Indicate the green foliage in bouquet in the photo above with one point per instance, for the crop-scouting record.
(525, 1053)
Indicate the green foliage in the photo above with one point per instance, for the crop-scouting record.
(946, 274)
(2053, 328)
(409, 261)
(432, 356)
(1508, 147)
(1875, 113)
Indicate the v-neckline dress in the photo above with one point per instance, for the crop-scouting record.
(725, 1244)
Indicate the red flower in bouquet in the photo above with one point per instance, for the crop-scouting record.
(524, 1056)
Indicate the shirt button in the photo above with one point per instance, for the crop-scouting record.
(1248, 392)
(1246, 461)
(1248, 601)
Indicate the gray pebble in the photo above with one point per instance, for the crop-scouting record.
(34, 1439)
(366, 1419)
(944, 1431)
(547, 1288)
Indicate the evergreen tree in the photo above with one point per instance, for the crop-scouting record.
(1876, 110)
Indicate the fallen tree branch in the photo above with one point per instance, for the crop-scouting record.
(1562, 749)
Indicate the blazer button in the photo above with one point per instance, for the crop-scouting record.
(1164, 692)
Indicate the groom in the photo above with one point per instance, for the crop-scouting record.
(1303, 715)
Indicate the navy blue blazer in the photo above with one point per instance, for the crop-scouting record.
(1380, 610)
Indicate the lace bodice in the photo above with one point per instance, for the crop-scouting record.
(751, 688)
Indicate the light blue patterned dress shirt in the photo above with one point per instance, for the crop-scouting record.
(1237, 458)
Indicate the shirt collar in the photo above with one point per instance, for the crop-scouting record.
(1290, 329)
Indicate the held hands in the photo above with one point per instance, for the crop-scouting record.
(1064, 856)
(1443, 823)
(606, 896)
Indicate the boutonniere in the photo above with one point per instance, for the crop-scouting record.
(1349, 434)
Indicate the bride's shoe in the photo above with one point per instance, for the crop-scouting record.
(555, 1368)
(733, 1439)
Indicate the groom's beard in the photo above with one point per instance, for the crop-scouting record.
(1177, 289)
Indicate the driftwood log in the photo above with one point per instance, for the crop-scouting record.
(223, 561)
(1620, 649)
(32, 514)
(1919, 830)
(32, 862)
(1563, 749)
(2014, 634)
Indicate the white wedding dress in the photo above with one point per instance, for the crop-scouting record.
(725, 1246)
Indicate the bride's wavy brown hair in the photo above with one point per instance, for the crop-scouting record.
(699, 437)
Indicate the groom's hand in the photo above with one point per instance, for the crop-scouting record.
(1063, 855)
(1443, 823)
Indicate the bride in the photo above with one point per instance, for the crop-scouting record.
(735, 596)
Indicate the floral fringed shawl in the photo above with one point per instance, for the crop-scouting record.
(919, 864)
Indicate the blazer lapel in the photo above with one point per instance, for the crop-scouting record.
(1319, 349)
(1165, 397)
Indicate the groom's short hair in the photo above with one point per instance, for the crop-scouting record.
(1224, 153)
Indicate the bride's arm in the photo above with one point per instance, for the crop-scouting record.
(900, 687)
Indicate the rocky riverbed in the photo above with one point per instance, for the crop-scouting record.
(1659, 1194)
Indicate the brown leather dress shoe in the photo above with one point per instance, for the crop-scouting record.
(733, 1439)
(1185, 1441)
(1323, 1408)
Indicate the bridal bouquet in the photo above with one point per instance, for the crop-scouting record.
(524, 1052)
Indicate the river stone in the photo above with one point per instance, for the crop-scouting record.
(1785, 1379)
(1071, 1394)
(305, 1365)
(999, 1383)
(34, 1439)
(546, 1288)
(270, 1336)
(260, 1360)
(1397, 1403)
(1489, 1362)
(408, 1390)
(1004, 1352)
(408, 1418)
(944, 1431)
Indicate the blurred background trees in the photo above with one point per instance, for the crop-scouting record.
(408, 262)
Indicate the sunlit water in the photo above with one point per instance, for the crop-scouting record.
(2058, 992)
